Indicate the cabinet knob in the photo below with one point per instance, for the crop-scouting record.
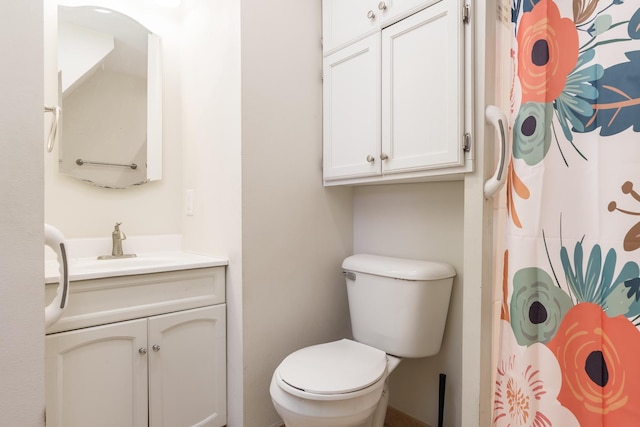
(383, 156)
(142, 350)
(382, 6)
(370, 158)
(371, 15)
(156, 347)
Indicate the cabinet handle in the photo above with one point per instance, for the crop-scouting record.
(382, 6)
(156, 347)
(142, 350)
(371, 15)
(383, 156)
(370, 158)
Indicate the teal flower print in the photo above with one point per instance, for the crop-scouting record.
(596, 283)
(634, 26)
(537, 306)
(531, 132)
(574, 103)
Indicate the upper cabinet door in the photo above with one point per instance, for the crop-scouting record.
(393, 10)
(344, 21)
(351, 110)
(422, 90)
(347, 21)
(187, 368)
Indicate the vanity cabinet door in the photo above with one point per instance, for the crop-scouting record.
(422, 90)
(187, 368)
(351, 110)
(97, 376)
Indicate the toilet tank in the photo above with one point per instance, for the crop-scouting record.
(398, 305)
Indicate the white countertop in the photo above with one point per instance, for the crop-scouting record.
(84, 265)
(144, 263)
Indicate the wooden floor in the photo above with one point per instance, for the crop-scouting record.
(396, 418)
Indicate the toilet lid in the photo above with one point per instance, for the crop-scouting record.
(333, 368)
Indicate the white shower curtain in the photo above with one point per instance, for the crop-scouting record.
(569, 346)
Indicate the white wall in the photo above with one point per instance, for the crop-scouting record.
(21, 216)
(251, 132)
(209, 98)
(420, 221)
(295, 233)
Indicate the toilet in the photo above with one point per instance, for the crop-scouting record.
(398, 309)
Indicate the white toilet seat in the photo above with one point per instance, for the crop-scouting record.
(332, 405)
(332, 371)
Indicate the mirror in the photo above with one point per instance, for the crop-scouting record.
(109, 83)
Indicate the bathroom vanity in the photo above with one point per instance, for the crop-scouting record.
(141, 343)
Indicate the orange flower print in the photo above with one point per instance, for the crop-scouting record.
(547, 52)
(598, 357)
(515, 187)
(526, 386)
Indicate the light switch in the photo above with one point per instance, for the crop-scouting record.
(189, 202)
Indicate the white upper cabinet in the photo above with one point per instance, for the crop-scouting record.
(345, 21)
(351, 110)
(394, 10)
(422, 97)
(394, 101)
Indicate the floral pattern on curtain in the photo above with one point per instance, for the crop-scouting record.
(570, 345)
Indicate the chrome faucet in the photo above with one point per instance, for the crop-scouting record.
(117, 236)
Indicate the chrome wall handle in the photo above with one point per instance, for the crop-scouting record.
(55, 122)
(495, 117)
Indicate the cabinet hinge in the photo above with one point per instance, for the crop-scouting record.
(466, 142)
(321, 42)
(466, 14)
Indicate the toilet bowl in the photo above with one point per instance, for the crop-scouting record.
(347, 386)
(398, 308)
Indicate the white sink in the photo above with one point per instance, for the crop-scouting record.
(92, 268)
(139, 261)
